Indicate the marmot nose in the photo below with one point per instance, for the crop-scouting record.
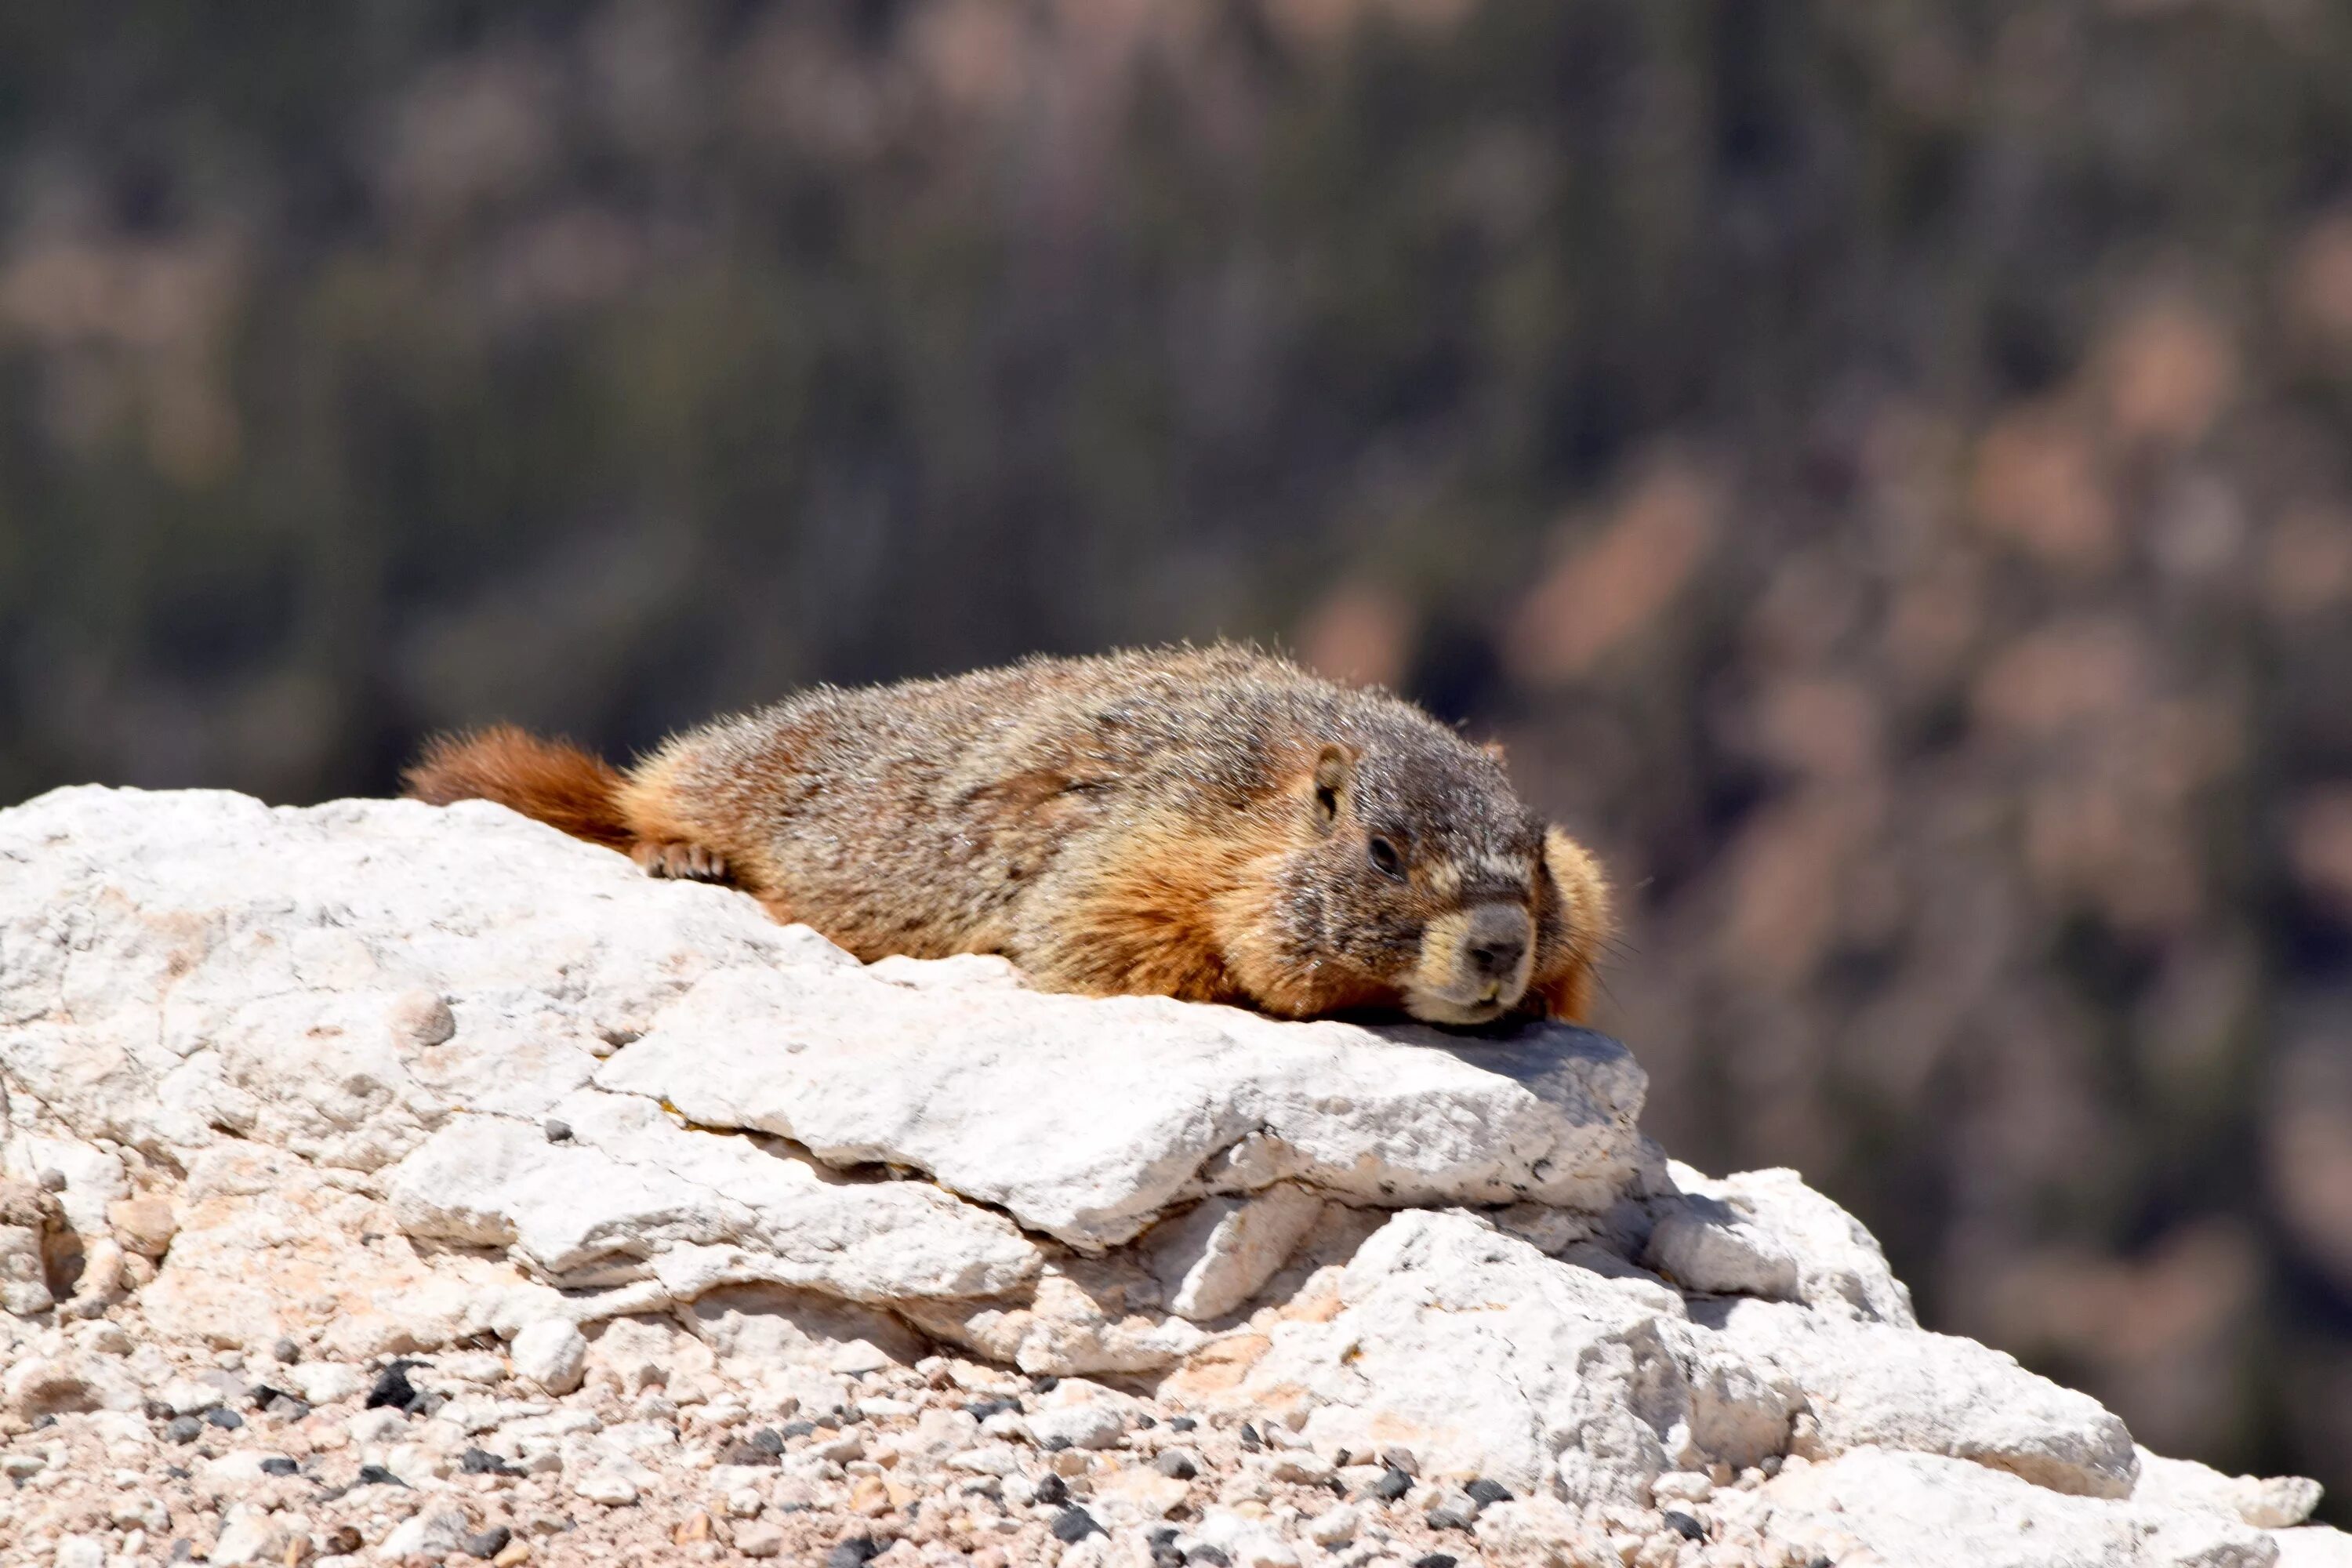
(1496, 941)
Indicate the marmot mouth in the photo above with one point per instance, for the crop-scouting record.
(1431, 1008)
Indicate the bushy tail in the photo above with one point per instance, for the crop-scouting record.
(553, 781)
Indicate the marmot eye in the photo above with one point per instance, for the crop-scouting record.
(1385, 859)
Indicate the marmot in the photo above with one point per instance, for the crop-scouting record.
(1213, 824)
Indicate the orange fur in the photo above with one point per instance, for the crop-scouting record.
(552, 781)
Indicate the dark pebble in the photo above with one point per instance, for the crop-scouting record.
(558, 1132)
(1436, 1560)
(1486, 1493)
(1145, 1421)
(745, 1454)
(278, 1467)
(1052, 1490)
(1182, 1423)
(1210, 1555)
(487, 1543)
(768, 1440)
(1167, 1557)
(1250, 1439)
(1162, 1535)
(1684, 1525)
(286, 1407)
(1177, 1464)
(482, 1462)
(1449, 1518)
(392, 1388)
(185, 1429)
(178, 1472)
(798, 1429)
(854, 1553)
(157, 1410)
(1394, 1484)
(1047, 1384)
(1820, 1563)
(1075, 1524)
(377, 1476)
(981, 1409)
(1054, 1445)
(222, 1416)
(287, 1352)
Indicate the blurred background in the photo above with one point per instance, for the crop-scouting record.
(1883, 467)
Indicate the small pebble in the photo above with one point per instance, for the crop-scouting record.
(286, 1407)
(222, 1416)
(854, 1553)
(767, 1439)
(1075, 1524)
(1052, 1490)
(1047, 1384)
(1176, 1463)
(1436, 1560)
(981, 1409)
(1485, 1492)
(482, 1462)
(1448, 1518)
(1210, 1555)
(1182, 1423)
(287, 1352)
(1250, 1439)
(798, 1429)
(278, 1467)
(377, 1476)
(393, 1390)
(343, 1540)
(185, 1429)
(558, 1132)
(1394, 1484)
(487, 1543)
(1684, 1525)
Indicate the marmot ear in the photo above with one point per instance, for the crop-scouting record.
(1335, 769)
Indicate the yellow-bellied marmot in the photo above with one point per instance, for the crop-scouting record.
(1213, 824)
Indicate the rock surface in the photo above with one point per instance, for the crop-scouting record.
(386, 1183)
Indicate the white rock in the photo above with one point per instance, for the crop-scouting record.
(434, 1532)
(610, 1488)
(1215, 1257)
(378, 1425)
(1080, 1425)
(2273, 1503)
(1779, 1221)
(1086, 1119)
(1874, 1385)
(632, 1196)
(254, 1537)
(1925, 1511)
(758, 1539)
(1335, 1526)
(81, 1551)
(1486, 1357)
(325, 1382)
(551, 1354)
(2313, 1546)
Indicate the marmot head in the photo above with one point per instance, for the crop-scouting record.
(1413, 877)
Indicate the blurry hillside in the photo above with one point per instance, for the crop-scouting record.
(1885, 467)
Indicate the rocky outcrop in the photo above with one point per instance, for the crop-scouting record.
(304, 1102)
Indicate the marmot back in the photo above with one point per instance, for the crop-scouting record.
(1214, 824)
